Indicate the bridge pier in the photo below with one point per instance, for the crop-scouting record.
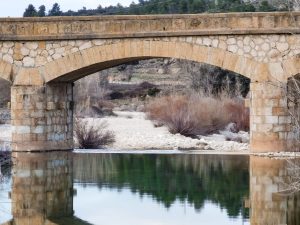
(270, 122)
(42, 117)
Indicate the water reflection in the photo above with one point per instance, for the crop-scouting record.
(270, 204)
(223, 180)
(42, 187)
(152, 189)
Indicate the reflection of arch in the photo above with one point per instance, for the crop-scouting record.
(5, 70)
(85, 62)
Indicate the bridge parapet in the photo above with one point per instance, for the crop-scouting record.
(71, 28)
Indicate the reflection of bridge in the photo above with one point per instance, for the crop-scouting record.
(42, 184)
(42, 192)
(43, 56)
(5, 159)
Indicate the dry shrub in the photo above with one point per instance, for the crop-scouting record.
(239, 114)
(92, 137)
(196, 114)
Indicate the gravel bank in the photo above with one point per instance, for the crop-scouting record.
(134, 132)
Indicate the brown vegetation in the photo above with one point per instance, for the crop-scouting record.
(197, 114)
(92, 137)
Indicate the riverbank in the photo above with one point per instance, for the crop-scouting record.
(134, 132)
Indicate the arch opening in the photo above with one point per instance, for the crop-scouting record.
(117, 93)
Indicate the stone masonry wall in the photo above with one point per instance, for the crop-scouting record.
(42, 117)
(269, 117)
(262, 48)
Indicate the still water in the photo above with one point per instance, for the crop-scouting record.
(130, 189)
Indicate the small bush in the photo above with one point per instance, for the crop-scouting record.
(197, 115)
(91, 137)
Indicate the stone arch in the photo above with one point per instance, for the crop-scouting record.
(79, 64)
(6, 71)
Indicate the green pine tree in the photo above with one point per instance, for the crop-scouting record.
(30, 11)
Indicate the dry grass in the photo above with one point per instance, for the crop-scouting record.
(92, 137)
(196, 114)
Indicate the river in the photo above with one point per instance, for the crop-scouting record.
(147, 189)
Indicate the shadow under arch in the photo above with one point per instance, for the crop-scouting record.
(85, 62)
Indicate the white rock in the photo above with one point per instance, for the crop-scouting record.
(207, 41)
(56, 45)
(231, 41)
(25, 51)
(253, 53)
(247, 49)
(28, 62)
(8, 58)
(31, 45)
(240, 43)
(63, 43)
(232, 48)
(215, 43)
(85, 45)
(8, 44)
(74, 50)
(247, 40)
(199, 41)
(4, 50)
(51, 52)
(223, 45)
(265, 47)
(72, 43)
(48, 46)
(282, 46)
(56, 56)
(60, 50)
(33, 53)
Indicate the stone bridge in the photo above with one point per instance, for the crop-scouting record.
(42, 57)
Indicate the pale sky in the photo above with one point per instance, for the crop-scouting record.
(15, 8)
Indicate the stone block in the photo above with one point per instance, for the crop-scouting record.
(284, 119)
(271, 119)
